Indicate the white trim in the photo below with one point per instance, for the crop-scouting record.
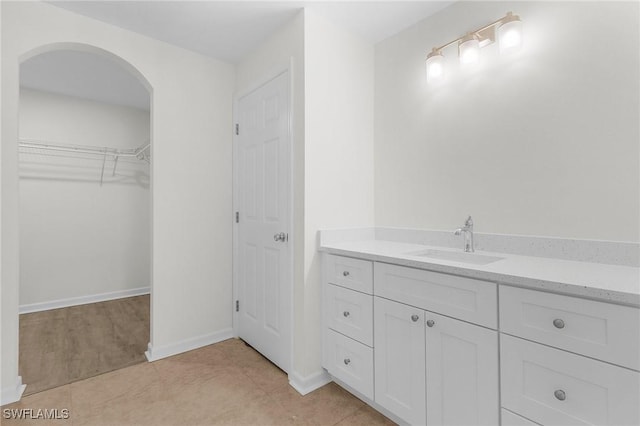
(292, 220)
(305, 385)
(82, 300)
(12, 393)
(234, 226)
(159, 352)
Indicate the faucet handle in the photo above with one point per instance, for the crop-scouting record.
(469, 221)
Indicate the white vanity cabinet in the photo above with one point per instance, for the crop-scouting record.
(426, 348)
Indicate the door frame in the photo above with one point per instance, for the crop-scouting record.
(235, 203)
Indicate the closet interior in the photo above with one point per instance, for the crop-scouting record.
(85, 218)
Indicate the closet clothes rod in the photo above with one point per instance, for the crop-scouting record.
(140, 153)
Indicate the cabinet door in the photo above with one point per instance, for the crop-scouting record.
(462, 373)
(399, 351)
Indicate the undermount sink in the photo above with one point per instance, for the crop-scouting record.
(464, 257)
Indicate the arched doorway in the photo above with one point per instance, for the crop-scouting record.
(85, 214)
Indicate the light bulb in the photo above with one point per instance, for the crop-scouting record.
(435, 66)
(510, 34)
(469, 49)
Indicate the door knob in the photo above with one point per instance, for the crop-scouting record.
(431, 323)
(280, 237)
(560, 395)
(414, 318)
(346, 313)
(347, 361)
(558, 323)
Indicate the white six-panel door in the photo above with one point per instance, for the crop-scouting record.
(263, 203)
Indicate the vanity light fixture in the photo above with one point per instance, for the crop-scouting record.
(469, 49)
(509, 36)
(510, 33)
(435, 65)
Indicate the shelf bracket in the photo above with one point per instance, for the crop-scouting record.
(104, 162)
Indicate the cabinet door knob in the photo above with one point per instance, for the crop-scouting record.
(346, 313)
(345, 273)
(558, 323)
(347, 361)
(431, 323)
(560, 395)
(414, 318)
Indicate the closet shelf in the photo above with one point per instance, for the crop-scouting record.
(141, 153)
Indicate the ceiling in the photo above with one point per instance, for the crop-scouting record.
(224, 30)
(229, 30)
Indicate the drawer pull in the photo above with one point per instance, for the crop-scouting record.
(347, 361)
(346, 313)
(415, 318)
(560, 395)
(558, 323)
(431, 323)
(345, 274)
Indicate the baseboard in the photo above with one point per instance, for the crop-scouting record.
(155, 353)
(82, 300)
(12, 393)
(305, 385)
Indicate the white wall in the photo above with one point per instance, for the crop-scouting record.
(541, 143)
(339, 185)
(191, 175)
(78, 238)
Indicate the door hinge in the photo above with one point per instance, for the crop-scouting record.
(237, 129)
(237, 217)
(237, 305)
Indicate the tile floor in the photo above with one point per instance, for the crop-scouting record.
(227, 383)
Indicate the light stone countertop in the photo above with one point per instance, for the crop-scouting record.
(599, 281)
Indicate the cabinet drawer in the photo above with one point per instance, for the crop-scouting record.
(464, 298)
(350, 312)
(350, 361)
(511, 419)
(596, 329)
(351, 273)
(554, 387)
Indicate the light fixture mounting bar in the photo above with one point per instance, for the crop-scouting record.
(486, 33)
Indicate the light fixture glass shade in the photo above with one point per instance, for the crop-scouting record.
(435, 66)
(469, 49)
(510, 34)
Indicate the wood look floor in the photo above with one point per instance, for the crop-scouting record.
(228, 383)
(65, 345)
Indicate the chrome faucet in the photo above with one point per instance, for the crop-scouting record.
(467, 230)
